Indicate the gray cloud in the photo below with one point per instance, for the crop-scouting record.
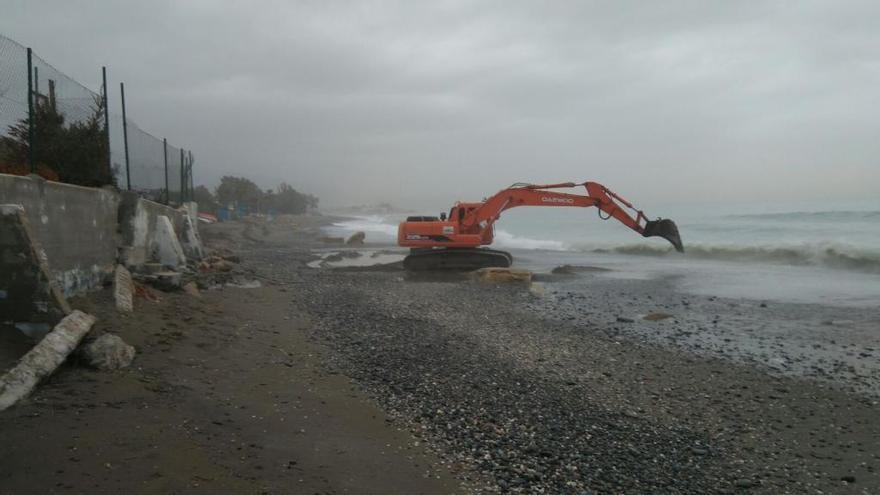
(428, 102)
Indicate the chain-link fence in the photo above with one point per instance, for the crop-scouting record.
(52, 125)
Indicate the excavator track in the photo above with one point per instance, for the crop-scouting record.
(456, 259)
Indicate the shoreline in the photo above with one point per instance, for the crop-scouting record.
(371, 381)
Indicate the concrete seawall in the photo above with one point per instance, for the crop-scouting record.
(84, 232)
(76, 227)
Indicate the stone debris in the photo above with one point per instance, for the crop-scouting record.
(245, 284)
(107, 352)
(145, 292)
(165, 281)
(356, 239)
(123, 290)
(192, 289)
(218, 263)
(502, 275)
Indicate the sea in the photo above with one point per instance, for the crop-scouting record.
(813, 253)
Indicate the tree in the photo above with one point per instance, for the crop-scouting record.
(76, 153)
(289, 200)
(238, 191)
(207, 203)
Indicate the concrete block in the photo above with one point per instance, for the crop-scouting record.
(123, 290)
(192, 243)
(44, 358)
(139, 225)
(166, 248)
(28, 292)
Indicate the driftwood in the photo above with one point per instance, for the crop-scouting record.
(44, 358)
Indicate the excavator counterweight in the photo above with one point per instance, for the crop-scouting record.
(454, 242)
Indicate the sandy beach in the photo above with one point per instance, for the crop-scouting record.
(370, 380)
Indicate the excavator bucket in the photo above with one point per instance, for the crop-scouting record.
(665, 228)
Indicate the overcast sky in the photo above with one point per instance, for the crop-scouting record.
(423, 103)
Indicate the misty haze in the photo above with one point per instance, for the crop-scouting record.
(390, 247)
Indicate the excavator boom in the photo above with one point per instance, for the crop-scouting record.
(454, 242)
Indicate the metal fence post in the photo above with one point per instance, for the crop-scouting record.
(165, 156)
(107, 125)
(31, 123)
(181, 175)
(191, 181)
(125, 136)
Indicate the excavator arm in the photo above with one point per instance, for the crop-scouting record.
(597, 195)
(454, 243)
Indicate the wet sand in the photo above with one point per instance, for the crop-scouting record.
(371, 381)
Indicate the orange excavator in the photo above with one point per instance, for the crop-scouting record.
(453, 242)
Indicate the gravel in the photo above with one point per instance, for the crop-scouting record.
(566, 393)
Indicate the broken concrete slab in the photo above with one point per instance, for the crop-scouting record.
(107, 352)
(123, 290)
(44, 358)
(28, 292)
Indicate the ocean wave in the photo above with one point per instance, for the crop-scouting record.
(828, 255)
(508, 240)
(375, 224)
(830, 216)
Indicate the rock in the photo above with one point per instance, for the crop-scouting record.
(356, 239)
(743, 483)
(332, 240)
(218, 264)
(537, 289)
(573, 269)
(107, 352)
(192, 289)
(657, 316)
(245, 284)
(149, 268)
(123, 290)
(502, 275)
(166, 281)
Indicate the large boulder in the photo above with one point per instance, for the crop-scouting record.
(502, 275)
(107, 352)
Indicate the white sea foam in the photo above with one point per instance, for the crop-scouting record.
(507, 240)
